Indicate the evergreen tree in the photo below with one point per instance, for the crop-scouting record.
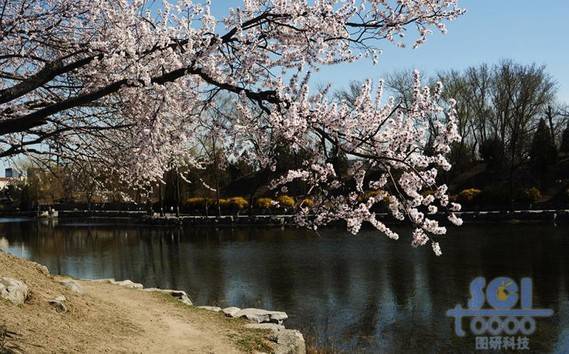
(492, 152)
(565, 141)
(543, 152)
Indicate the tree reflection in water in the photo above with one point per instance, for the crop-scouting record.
(364, 293)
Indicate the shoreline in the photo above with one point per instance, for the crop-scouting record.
(287, 220)
(40, 312)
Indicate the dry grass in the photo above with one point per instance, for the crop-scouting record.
(248, 340)
(111, 318)
(312, 347)
(8, 341)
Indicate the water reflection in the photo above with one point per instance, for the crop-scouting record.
(364, 293)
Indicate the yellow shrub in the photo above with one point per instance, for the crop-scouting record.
(533, 194)
(375, 194)
(286, 201)
(224, 203)
(238, 202)
(196, 202)
(468, 195)
(365, 197)
(264, 203)
(306, 203)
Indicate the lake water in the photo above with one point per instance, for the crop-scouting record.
(362, 293)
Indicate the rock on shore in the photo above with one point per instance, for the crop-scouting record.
(13, 290)
(287, 341)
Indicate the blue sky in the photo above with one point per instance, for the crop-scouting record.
(523, 30)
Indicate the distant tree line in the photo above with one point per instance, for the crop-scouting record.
(510, 119)
(515, 140)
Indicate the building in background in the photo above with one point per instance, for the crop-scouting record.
(11, 175)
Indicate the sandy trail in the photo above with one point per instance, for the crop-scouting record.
(108, 318)
(161, 326)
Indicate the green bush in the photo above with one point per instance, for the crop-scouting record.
(527, 196)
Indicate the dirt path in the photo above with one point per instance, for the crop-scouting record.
(108, 318)
(162, 326)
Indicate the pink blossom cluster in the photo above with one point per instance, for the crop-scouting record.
(382, 138)
(131, 85)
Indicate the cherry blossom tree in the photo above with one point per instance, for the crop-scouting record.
(127, 84)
